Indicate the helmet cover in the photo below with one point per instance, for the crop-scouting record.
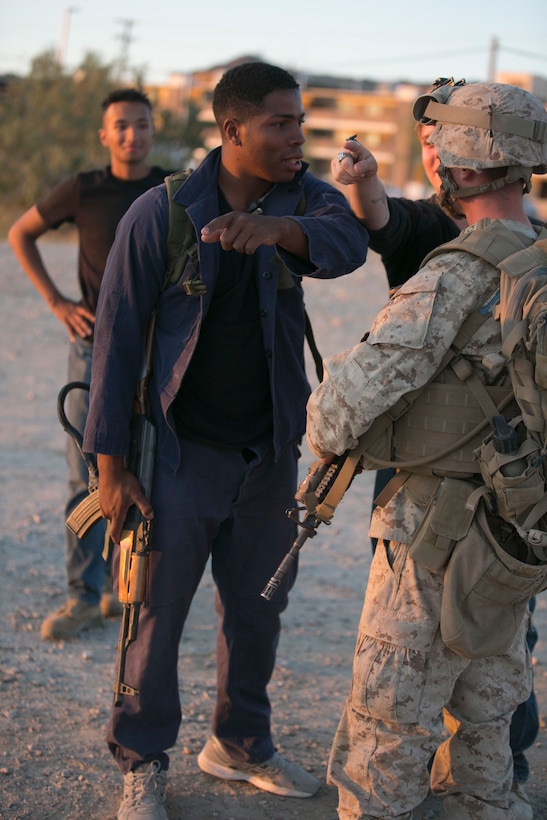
(486, 125)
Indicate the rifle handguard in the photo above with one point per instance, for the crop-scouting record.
(319, 494)
(134, 554)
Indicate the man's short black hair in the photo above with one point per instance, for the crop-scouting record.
(125, 95)
(241, 90)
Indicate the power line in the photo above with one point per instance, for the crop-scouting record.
(414, 57)
(525, 53)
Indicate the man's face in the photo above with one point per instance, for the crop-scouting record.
(430, 160)
(271, 140)
(127, 132)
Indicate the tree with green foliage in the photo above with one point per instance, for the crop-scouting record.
(50, 120)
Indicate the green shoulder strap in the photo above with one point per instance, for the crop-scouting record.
(493, 246)
(181, 240)
(182, 245)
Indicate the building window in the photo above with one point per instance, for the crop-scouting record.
(323, 102)
(321, 134)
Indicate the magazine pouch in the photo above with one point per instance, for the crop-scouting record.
(487, 588)
(516, 478)
(446, 521)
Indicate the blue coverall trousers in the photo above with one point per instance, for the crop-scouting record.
(230, 506)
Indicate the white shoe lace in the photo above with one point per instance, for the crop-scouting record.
(146, 786)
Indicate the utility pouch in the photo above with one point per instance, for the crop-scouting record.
(486, 590)
(446, 521)
(516, 479)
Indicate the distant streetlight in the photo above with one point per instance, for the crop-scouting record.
(65, 31)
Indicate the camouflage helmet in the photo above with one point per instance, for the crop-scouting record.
(486, 125)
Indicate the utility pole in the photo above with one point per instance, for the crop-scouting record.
(492, 63)
(65, 31)
(126, 38)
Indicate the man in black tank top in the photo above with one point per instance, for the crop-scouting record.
(94, 201)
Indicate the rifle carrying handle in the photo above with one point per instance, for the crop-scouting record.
(85, 515)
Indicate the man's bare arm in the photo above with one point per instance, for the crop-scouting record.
(355, 167)
(23, 236)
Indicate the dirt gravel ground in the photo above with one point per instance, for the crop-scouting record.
(55, 697)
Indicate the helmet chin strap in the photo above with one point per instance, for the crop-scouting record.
(450, 191)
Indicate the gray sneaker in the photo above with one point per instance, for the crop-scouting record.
(70, 620)
(144, 793)
(275, 775)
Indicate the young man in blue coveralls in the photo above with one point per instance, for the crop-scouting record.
(228, 393)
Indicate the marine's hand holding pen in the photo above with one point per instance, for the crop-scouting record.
(343, 154)
(353, 163)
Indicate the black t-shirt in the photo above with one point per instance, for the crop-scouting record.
(225, 398)
(415, 228)
(94, 201)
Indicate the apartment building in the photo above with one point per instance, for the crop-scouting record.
(380, 113)
(336, 107)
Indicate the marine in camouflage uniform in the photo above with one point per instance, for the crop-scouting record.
(404, 675)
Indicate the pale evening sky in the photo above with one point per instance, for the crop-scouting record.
(399, 39)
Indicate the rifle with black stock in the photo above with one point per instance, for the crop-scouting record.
(323, 488)
(320, 492)
(325, 484)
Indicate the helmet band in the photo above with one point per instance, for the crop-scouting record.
(436, 112)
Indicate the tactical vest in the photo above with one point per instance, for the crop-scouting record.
(444, 422)
(445, 425)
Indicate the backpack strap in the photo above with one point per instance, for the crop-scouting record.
(491, 246)
(528, 266)
(181, 241)
(523, 318)
(514, 259)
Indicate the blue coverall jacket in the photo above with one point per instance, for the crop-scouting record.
(132, 288)
(209, 502)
